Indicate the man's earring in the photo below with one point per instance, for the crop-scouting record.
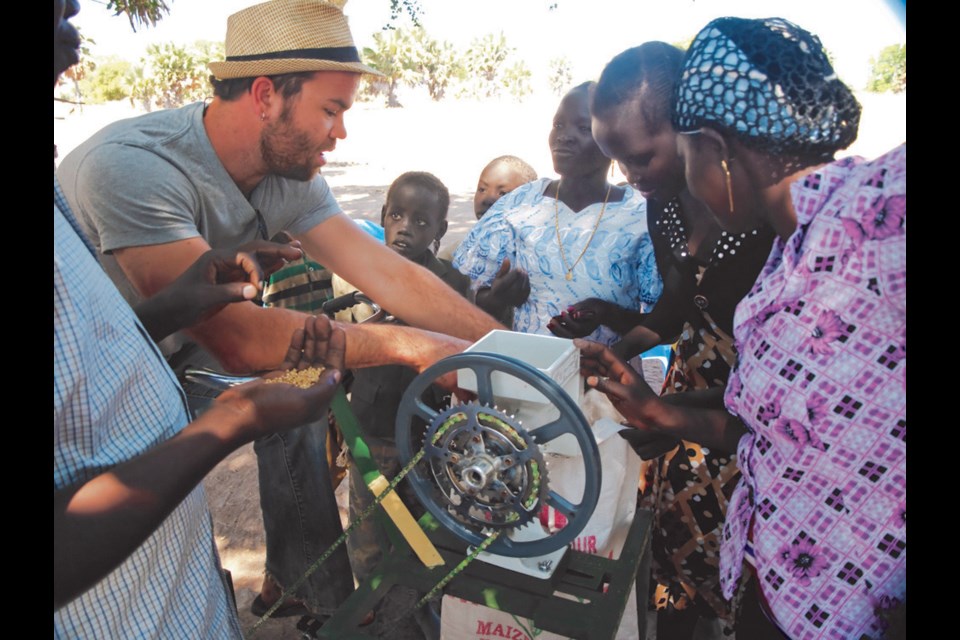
(726, 171)
(263, 116)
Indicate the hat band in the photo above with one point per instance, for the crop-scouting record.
(335, 54)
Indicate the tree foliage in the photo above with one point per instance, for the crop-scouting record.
(561, 75)
(393, 55)
(437, 63)
(149, 12)
(139, 12)
(411, 8)
(888, 71)
(173, 75)
(484, 63)
(516, 80)
(112, 80)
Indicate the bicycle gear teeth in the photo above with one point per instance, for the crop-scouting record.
(487, 471)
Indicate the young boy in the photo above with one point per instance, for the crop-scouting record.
(414, 219)
(501, 176)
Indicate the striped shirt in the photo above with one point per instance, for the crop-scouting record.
(114, 397)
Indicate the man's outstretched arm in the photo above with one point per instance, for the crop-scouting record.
(407, 290)
(245, 337)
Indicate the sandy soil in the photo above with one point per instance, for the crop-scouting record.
(238, 527)
(452, 140)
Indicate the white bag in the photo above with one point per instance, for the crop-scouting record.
(603, 535)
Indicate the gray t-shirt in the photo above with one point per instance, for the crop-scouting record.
(155, 178)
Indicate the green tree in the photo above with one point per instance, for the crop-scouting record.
(888, 71)
(149, 12)
(561, 75)
(173, 75)
(437, 63)
(393, 55)
(140, 12)
(516, 80)
(112, 80)
(484, 62)
(412, 9)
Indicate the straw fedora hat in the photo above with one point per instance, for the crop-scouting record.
(288, 36)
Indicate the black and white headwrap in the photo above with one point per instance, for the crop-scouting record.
(768, 83)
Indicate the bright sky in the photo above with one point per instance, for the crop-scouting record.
(587, 32)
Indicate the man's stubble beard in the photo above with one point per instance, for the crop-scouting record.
(287, 152)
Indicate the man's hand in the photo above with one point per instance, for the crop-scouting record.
(508, 289)
(266, 408)
(437, 347)
(214, 280)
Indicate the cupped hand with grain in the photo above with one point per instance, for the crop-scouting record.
(296, 393)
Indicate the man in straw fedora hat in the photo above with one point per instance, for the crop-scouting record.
(155, 192)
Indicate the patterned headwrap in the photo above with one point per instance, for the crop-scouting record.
(769, 83)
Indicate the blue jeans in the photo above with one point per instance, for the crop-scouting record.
(300, 516)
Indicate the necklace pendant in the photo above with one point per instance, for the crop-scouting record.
(569, 275)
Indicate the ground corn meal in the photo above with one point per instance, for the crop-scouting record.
(302, 378)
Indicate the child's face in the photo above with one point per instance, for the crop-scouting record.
(575, 153)
(412, 220)
(495, 181)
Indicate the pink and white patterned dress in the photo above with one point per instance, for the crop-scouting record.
(821, 385)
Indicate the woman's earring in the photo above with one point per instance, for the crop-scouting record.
(726, 171)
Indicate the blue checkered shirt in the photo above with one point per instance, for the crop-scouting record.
(113, 398)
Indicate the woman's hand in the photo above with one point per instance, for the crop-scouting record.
(584, 317)
(265, 408)
(580, 319)
(508, 289)
(644, 410)
(272, 256)
(626, 389)
(648, 445)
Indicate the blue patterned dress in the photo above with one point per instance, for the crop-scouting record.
(618, 265)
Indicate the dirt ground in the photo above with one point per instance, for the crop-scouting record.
(238, 527)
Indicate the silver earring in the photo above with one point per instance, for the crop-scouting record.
(263, 116)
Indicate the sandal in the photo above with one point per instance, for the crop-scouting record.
(288, 609)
